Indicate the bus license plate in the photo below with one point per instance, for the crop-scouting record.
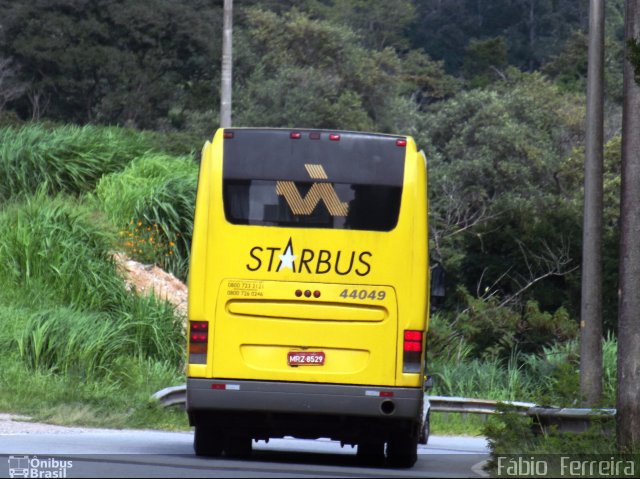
(305, 358)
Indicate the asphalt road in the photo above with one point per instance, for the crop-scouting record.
(118, 453)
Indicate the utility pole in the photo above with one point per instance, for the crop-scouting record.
(591, 300)
(227, 63)
(628, 399)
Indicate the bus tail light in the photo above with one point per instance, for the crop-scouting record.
(412, 357)
(198, 341)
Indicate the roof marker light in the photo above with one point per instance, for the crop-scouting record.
(401, 143)
(228, 135)
(334, 137)
(295, 135)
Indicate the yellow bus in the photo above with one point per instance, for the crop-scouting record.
(309, 292)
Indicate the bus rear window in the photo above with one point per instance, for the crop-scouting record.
(271, 178)
(311, 205)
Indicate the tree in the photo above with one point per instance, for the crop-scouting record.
(112, 61)
(381, 24)
(495, 156)
(10, 87)
(485, 61)
(295, 70)
(534, 30)
(628, 396)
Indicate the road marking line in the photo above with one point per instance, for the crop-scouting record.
(479, 469)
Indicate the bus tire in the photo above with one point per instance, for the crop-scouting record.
(424, 433)
(371, 453)
(205, 443)
(402, 451)
(239, 447)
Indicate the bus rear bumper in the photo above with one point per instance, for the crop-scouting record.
(287, 397)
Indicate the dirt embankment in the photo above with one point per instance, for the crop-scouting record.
(149, 279)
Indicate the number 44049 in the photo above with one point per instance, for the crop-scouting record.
(363, 294)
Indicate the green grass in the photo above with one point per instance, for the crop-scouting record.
(120, 400)
(550, 378)
(67, 159)
(455, 424)
(152, 203)
(78, 348)
(60, 248)
(486, 379)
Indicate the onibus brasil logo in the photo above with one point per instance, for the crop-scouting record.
(26, 466)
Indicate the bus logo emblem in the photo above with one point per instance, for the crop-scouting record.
(319, 191)
(287, 259)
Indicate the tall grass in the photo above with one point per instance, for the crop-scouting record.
(76, 316)
(89, 344)
(154, 193)
(548, 378)
(59, 247)
(66, 341)
(77, 346)
(557, 372)
(486, 379)
(67, 159)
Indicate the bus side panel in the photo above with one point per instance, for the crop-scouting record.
(198, 273)
(413, 289)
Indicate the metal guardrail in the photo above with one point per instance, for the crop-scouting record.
(473, 406)
(545, 418)
(172, 396)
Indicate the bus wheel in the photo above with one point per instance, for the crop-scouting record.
(205, 443)
(371, 453)
(239, 447)
(402, 451)
(424, 433)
